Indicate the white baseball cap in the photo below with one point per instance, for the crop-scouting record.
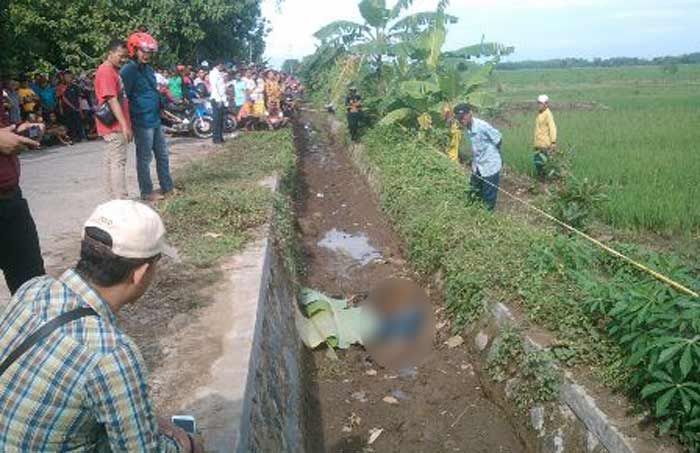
(137, 231)
(543, 98)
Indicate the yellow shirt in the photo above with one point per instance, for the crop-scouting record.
(455, 138)
(545, 130)
(259, 108)
(24, 95)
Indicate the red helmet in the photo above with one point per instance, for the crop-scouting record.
(142, 41)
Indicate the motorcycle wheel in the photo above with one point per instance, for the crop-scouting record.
(230, 124)
(203, 127)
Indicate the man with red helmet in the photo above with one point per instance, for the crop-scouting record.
(144, 105)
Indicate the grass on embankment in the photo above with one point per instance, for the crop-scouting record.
(640, 140)
(221, 200)
(605, 315)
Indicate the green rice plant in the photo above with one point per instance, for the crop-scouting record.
(634, 129)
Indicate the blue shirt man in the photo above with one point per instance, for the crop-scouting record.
(485, 141)
(144, 100)
(139, 80)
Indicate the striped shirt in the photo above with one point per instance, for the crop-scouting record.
(83, 388)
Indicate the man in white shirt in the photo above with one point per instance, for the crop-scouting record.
(219, 100)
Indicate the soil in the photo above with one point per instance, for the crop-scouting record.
(439, 405)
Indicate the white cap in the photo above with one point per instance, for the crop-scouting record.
(137, 231)
(543, 98)
(204, 64)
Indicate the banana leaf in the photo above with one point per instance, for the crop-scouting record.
(396, 116)
(331, 321)
(374, 12)
(419, 89)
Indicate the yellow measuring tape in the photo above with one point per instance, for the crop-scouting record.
(677, 286)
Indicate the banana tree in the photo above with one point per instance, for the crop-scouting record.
(445, 78)
(383, 30)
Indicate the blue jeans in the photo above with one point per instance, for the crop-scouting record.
(151, 142)
(486, 191)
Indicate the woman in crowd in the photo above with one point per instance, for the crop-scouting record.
(273, 91)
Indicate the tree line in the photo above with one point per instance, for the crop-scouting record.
(58, 34)
(559, 63)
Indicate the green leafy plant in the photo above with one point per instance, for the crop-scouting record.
(575, 200)
(505, 355)
(538, 380)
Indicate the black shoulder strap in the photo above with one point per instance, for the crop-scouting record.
(43, 332)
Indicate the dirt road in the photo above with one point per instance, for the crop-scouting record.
(349, 247)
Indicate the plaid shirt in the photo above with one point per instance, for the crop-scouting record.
(83, 388)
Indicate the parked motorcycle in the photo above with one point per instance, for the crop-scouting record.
(189, 117)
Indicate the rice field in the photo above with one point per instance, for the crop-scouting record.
(635, 129)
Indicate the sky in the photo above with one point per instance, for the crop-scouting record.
(539, 29)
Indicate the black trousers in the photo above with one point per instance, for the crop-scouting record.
(218, 110)
(354, 120)
(20, 256)
(74, 124)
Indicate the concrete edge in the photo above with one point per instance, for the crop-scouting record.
(582, 403)
(244, 428)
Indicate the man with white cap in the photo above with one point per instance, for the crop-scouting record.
(70, 378)
(545, 136)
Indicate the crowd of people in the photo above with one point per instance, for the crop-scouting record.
(91, 392)
(65, 102)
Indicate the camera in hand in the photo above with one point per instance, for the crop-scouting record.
(33, 132)
(186, 422)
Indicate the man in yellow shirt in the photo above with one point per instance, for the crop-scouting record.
(545, 136)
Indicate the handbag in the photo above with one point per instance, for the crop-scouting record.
(43, 332)
(105, 115)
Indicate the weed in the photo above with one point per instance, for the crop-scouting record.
(575, 200)
(221, 199)
(538, 380)
(505, 355)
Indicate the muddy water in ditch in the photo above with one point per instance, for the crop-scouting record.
(349, 247)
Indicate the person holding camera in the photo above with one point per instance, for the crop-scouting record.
(110, 90)
(70, 378)
(20, 254)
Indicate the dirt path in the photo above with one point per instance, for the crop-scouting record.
(441, 405)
